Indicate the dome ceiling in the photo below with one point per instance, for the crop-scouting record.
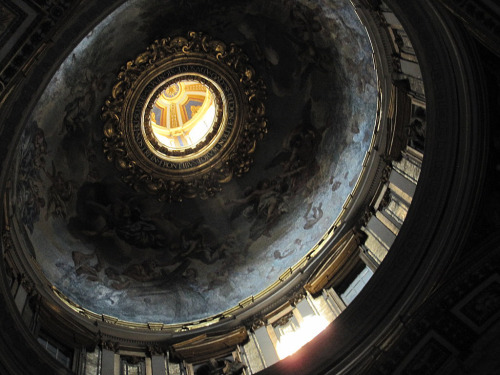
(121, 252)
(183, 114)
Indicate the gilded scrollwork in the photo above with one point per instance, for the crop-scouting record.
(157, 171)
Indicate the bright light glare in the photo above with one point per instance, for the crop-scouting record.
(290, 342)
(203, 126)
(193, 136)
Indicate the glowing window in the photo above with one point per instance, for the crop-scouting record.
(294, 339)
(183, 114)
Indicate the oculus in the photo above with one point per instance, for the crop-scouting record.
(183, 114)
(184, 117)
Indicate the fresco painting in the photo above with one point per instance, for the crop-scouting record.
(121, 252)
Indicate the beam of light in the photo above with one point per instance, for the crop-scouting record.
(290, 342)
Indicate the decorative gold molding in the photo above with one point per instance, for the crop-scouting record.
(227, 152)
(339, 255)
(204, 347)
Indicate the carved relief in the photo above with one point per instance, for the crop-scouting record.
(297, 297)
(417, 129)
(28, 285)
(283, 320)
(110, 345)
(386, 199)
(386, 173)
(257, 324)
(156, 350)
(367, 215)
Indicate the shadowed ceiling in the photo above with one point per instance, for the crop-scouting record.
(123, 253)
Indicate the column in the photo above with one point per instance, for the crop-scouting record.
(334, 300)
(402, 186)
(172, 367)
(266, 346)
(383, 234)
(149, 366)
(110, 362)
(158, 365)
(252, 355)
(367, 259)
(323, 307)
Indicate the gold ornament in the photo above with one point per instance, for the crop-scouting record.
(191, 170)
